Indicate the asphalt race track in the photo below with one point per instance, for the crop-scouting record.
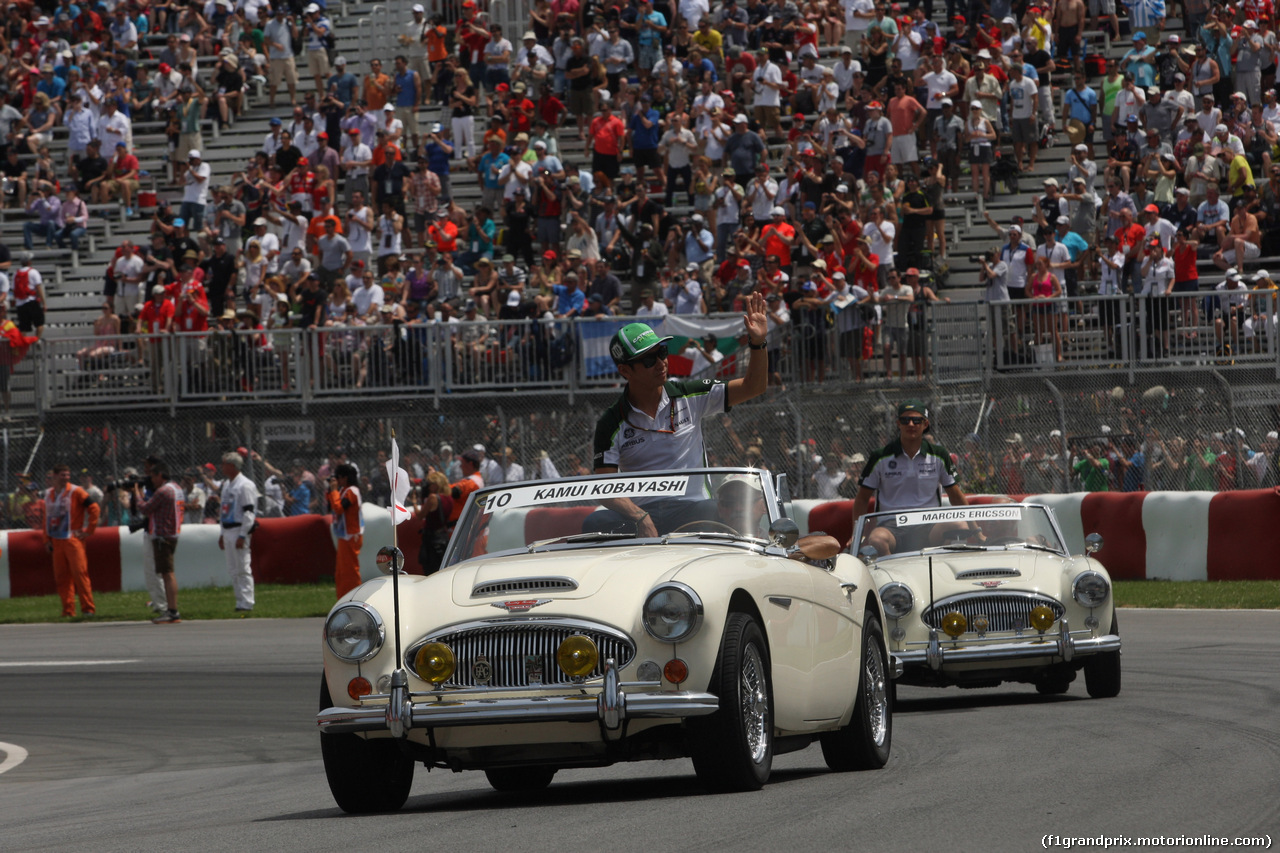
(200, 737)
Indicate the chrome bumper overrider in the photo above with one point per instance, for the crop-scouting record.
(611, 705)
(1060, 645)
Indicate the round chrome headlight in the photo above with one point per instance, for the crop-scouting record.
(1090, 589)
(672, 613)
(897, 600)
(354, 632)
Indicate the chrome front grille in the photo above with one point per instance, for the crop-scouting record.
(523, 585)
(988, 573)
(508, 646)
(1001, 609)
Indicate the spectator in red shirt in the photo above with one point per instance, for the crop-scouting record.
(607, 131)
(156, 317)
(550, 108)
(779, 236)
(520, 110)
(444, 234)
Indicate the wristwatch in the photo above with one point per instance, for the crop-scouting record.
(760, 345)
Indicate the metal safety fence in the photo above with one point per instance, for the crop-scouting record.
(1024, 434)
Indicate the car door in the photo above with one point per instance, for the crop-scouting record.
(836, 642)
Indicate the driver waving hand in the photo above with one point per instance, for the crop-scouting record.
(656, 424)
(909, 472)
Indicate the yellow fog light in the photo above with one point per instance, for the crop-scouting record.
(577, 656)
(954, 624)
(435, 663)
(1041, 618)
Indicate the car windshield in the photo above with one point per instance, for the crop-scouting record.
(719, 505)
(963, 528)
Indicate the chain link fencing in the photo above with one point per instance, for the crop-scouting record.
(1158, 430)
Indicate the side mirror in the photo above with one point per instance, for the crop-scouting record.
(784, 531)
(390, 560)
(868, 553)
(1092, 543)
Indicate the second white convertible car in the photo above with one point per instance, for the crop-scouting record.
(978, 595)
(555, 636)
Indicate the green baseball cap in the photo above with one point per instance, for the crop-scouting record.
(632, 341)
(913, 406)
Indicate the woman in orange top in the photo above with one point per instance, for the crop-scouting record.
(348, 527)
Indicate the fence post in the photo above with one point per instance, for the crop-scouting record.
(1231, 414)
(502, 430)
(1062, 430)
(802, 455)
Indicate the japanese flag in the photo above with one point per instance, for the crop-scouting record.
(399, 480)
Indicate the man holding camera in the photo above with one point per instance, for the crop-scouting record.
(238, 516)
(348, 526)
(70, 517)
(163, 511)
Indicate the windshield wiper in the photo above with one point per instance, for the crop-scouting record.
(1035, 546)
(961, 546)
(580, 537)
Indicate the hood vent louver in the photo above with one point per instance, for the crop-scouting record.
(523, 585)
(988, 573)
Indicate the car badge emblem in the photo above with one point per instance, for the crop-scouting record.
(980, 624)
(1019, 624)
(988, 584)
(522, 606)
(481, 671)
(533, 669)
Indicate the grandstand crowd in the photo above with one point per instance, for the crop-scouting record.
(646, 158)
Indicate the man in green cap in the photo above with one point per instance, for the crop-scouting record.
(656, 424)
(909, 472)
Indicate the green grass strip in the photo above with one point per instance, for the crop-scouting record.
(293, 601)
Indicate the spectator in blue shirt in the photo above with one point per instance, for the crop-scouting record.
(439, 151)
(342, 85)
(1135, 62)
(1076, 245)
(644, 132)
(1081, 104)
(50, 84)
(489, 168)
(569, 299)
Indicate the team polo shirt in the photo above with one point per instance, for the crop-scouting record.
(908, 482)
(629, 439)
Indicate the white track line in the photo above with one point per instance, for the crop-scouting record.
(14, 755)
(17, 663)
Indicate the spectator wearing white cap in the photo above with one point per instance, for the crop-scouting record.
(1233, 295)
(699, 246)
(413, 44)
(318, 36)
(195, 191)
(980, 136)
(490, 470)
(677, 146)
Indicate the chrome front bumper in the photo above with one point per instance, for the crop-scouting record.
(611, 705)
(1060, 645)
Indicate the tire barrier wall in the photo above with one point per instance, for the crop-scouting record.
(299, 549)
(1168, 535)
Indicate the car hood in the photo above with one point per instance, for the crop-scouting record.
(575, 573)
(974, 571)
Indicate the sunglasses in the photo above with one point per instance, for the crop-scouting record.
(911, 421)
(649, 360)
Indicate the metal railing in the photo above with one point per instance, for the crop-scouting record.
(963, 343)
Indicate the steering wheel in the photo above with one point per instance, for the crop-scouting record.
(699, 525)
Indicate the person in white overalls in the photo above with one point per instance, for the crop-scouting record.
(237, 516)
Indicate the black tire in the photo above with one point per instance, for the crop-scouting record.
(515, 780)
(732, 749)
(364, 775)
(864, 744)
(1102, 671)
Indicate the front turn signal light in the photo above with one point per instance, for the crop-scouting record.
(676, 671)
(1041, 618)
(577, 656)
(954, 624)
(435, 663)
(358, 687)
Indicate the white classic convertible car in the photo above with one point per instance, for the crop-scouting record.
(555, 637)
(978, 595)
